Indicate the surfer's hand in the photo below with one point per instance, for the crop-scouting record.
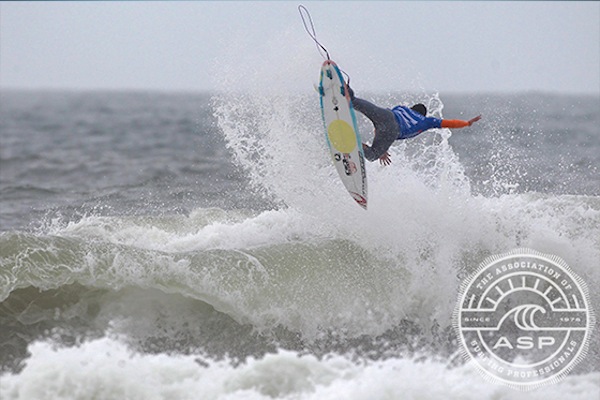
(385, 159)
(472, 121)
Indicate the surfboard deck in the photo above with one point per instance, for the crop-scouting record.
(341, 131)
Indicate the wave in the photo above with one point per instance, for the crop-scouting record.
(282, 267)
(424, 216)
(313, 267)
(301, 284)
(523, 316)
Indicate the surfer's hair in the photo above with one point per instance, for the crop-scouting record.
(420, 108)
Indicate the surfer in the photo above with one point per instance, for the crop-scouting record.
(399, 123)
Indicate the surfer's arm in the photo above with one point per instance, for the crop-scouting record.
(373, 154)
(459, 123)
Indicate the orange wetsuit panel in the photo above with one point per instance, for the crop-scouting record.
(454, 123)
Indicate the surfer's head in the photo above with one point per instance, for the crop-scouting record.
(420, 108)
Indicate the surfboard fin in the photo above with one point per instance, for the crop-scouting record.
(319, 89)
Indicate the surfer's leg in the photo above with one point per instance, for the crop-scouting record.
(376, 114)
(385, 124)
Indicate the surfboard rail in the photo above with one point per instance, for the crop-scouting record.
(341, 132)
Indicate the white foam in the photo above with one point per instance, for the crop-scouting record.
(107, 369)
(422, 212)
(226, 230)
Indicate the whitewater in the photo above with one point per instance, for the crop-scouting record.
(199, 246)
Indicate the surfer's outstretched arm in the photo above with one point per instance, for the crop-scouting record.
(458, 123)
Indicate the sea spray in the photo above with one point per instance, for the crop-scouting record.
(172, 257)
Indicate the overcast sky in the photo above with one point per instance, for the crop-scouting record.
(437, 46)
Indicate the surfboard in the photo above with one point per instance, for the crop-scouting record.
(341, 132)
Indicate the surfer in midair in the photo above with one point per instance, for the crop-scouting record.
(399, 123)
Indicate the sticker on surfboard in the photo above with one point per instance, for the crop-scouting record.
(341, 132)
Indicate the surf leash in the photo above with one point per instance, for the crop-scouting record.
(310, 29)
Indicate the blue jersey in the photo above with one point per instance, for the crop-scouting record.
(411, 123)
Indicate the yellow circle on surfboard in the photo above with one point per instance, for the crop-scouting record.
(341, 136)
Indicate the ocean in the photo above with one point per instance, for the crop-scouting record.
(201, 245)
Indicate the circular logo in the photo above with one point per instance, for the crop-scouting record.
(342, 136)
(524, 318)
